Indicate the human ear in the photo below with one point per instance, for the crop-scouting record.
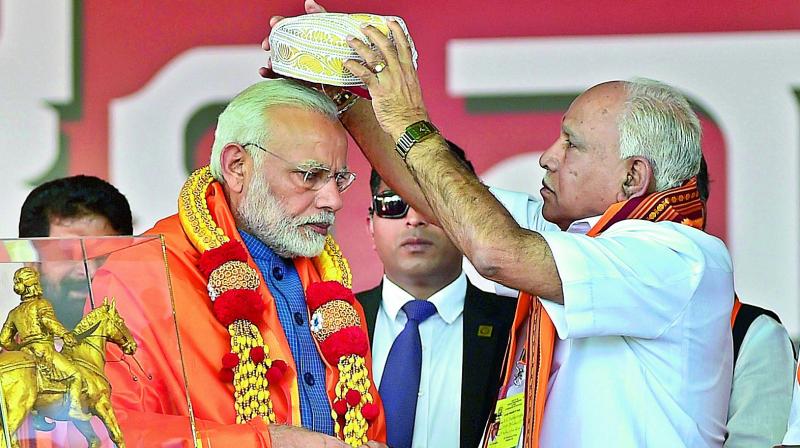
(233, 162)
(371, 230)
(639, 179)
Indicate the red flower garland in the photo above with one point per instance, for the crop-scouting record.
(369, 411)
(214, 258)
(320, 293)
(257, 354)
(247, 305)
(230, 360)
(340, 406)
(347, 341)
(277, 370)
(238, 304)
(353, 397)
(226, 375)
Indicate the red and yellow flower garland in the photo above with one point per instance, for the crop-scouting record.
(233, 289)
(337, 327)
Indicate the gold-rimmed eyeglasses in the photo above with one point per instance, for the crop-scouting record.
(314, 177)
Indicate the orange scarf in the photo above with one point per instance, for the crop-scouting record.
(681, 204)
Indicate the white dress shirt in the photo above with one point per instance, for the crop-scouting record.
(438, 419)
(762, 386)
(792, 437)
(644, 351)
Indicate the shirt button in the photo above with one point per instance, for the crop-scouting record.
(298, 318)
(309, 378)
(277, 272)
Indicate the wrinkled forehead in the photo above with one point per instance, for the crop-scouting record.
(601, 101)
(595, 113)
(308, 137)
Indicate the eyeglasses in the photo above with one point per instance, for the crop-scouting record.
(315, 177)
(390, 205)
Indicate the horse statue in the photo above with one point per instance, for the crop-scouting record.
(26, 390)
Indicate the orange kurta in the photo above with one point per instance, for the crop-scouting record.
(204, 340)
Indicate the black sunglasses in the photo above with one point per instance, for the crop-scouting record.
(389, 204)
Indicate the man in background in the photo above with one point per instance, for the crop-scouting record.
(71, 207)
(463, 339)
(763, 368)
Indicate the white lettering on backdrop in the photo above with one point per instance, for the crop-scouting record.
(147, 127)
(35, 71)
(744, 80)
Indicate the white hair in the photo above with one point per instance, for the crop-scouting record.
(262, 215)
(245, 120)
(658, 123)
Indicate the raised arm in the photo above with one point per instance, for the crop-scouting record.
(373, 141)
(473, 219)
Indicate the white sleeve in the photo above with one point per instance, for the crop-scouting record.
(761, 393)
(792, 437)
(527, 212)
(635, 279)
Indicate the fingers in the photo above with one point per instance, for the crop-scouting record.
(371, 57)
(364, 74)
(266, 72)
(274, 20)
(402, 46)
(313, 7)
(382, 42)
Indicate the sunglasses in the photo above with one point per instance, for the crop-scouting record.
(389, 205)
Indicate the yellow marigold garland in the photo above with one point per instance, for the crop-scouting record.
(232, 286)
(335, 324)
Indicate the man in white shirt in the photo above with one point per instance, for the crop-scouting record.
(792, 437)
(763, 377)
(463, 343)
(630, 343)
(763, 369)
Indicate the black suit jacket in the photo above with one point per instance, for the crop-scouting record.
(483, 354)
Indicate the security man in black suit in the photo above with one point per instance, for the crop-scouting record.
(421, 263)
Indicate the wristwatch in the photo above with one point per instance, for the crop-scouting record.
(414, 134)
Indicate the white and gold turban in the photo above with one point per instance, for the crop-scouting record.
(313, 47)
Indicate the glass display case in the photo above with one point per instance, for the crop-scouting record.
(75, 313)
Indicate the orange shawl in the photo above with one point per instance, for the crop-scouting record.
(681, 204)
(204, 340)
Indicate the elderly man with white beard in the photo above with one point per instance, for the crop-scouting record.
(273, 342)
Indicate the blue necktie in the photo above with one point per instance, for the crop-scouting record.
(400, 381)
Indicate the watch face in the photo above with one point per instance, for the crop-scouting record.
(414, 133)
(420, 129)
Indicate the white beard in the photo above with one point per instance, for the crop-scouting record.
(263, 216)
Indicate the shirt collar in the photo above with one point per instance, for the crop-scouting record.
(449, 300)
(257, 249)
(582, 226)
